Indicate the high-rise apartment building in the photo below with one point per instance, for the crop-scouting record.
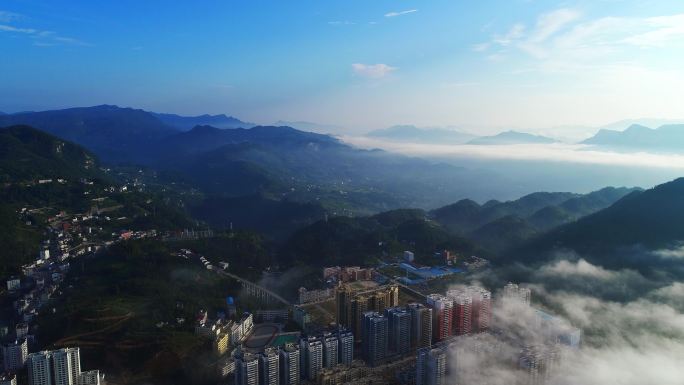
(399, 330)
(421, 325)
(289, 365)
(39, 368)
(431, 366)
(66, 366)
(345, 346)
(538, 362)
(442, 316)
(513, 292)
(269, 367)
(351, 304)
(60, 367)
(14, 355)
(482, 308)
(472, 309)
(463, 310)
(374, 338)
(311, 357)
(246, 369)
(330, 350)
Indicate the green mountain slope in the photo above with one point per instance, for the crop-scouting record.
(343, 240)
(27, 154)
(652, 218)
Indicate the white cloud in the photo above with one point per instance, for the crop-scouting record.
(400, 13)
(556, 152)
(8, 17)
(9, 28)
(663, 29)
(674, 253)
(550, 23)
(579, 268)
(515, 33)
(563, 36)
(41, 38)
(481, 47)
(635, 342)
(374, 71)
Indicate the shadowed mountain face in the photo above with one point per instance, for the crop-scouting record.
(113, 133)
(666, 138)
(652, 218)
(27, 154)
(497, 226)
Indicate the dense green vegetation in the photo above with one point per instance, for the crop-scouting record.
(498, 226)
(27, 154)
(653, 218)
(345, 241)
(274, 218)
(19, 243)
(114, 303)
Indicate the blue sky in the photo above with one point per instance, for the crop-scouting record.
(358, 64)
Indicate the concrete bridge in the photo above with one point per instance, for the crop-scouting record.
(259, 292)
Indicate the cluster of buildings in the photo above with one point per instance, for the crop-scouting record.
(325, 358)
(351, 304)
(475, 346)
(58, 367)
(29, 294)
(224, 334)
(68, 236)
(346, 274)
(312, 296)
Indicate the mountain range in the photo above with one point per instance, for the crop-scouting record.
(652, 218)
(277, 162)
(273, 178)
(311, 126)
(185, 123)
(512, 137)
(497, 226)
(111, 132)
(666, 138)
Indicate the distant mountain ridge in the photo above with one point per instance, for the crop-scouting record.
(667, 138)
(310, 126)
(499, 225)
(654, 218)
(112, 132)
(410, 133)
(512, 137)
(185, 123)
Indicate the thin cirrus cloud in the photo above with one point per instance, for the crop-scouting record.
(40, 38)
(7, 17)
(372, 71)
(566, 35)
(400, 13)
